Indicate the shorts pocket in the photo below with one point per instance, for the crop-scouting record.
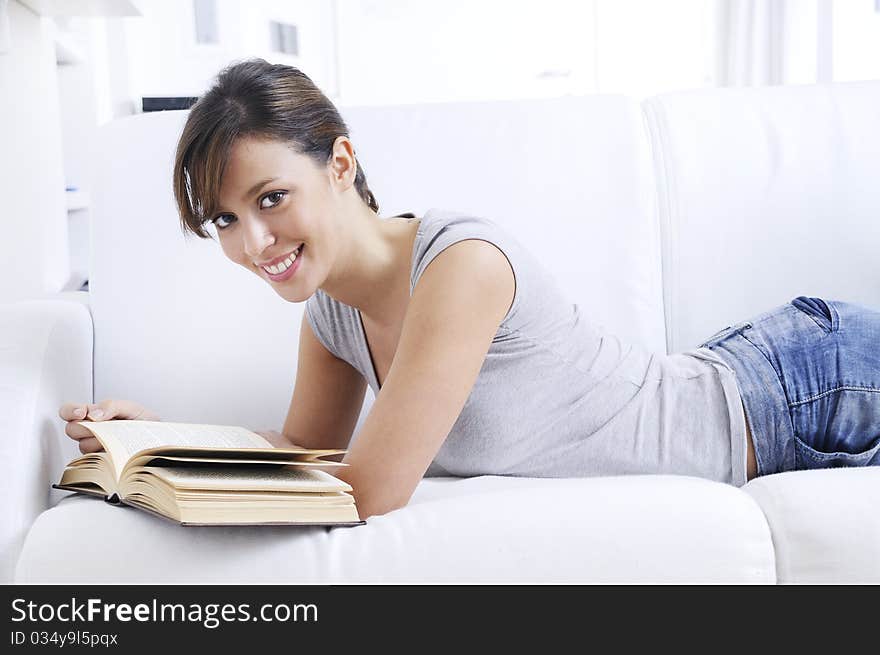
(807, 457)
(821, 312)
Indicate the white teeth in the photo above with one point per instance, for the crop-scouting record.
(283, 266)
(279, 268)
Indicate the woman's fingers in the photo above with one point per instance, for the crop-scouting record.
(73, 411)
(77, 431)
(106, 410)
(103, 411)
(90, 445)
(112, 408)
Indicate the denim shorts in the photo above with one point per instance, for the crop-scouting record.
(809, 375)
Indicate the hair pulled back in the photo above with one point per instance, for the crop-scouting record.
(252, 98)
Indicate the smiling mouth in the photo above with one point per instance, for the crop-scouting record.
(280, 267)
(285, 269)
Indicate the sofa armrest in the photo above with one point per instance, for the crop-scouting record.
(45, 360)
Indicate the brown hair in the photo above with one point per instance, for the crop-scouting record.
(252, 98)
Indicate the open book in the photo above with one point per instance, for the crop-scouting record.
(198, 474)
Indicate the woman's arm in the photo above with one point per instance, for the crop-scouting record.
(327, 397)
(453, 315)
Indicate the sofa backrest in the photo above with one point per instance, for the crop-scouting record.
(765, 194)
(184, 331)
(571, 177)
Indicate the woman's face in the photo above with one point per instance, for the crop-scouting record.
(276, 216)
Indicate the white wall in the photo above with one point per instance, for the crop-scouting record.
(397, 51)
(800, 47)
(33, 218)
(646, 48)
(856, 39)
(165, 59)
(405, 51)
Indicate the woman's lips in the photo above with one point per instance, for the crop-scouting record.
(286, 275)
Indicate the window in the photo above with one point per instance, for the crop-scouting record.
(283, 38)
(205, 12)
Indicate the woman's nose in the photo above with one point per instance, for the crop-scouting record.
(257, 237)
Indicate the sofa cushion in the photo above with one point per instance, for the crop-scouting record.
(825, 524)
(636, 529)
(45, 360)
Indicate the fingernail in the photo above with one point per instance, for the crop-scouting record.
(79, 412)
(97, 413)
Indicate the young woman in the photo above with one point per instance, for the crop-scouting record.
(479, 364)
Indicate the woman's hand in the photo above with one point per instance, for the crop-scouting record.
(102, 411)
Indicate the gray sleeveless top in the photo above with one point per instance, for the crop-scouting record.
(557, 396)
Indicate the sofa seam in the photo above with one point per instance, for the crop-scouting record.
(652, 113)
(771, 500)
(656, 221)
(770, 534)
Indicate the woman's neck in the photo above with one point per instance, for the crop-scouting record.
(372, 271)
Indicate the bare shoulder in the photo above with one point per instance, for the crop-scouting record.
(473, 274)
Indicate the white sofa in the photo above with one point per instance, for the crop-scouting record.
(673, 218)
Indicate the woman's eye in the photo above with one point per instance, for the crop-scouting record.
(223, 221)
(274, 198)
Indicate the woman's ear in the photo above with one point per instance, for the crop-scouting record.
(343, 163)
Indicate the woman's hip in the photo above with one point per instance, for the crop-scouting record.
(809, 374)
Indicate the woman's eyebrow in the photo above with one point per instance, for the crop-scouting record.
(259, 185)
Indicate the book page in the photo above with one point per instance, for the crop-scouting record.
(168, 456)
(240, 478)
(122, 439)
